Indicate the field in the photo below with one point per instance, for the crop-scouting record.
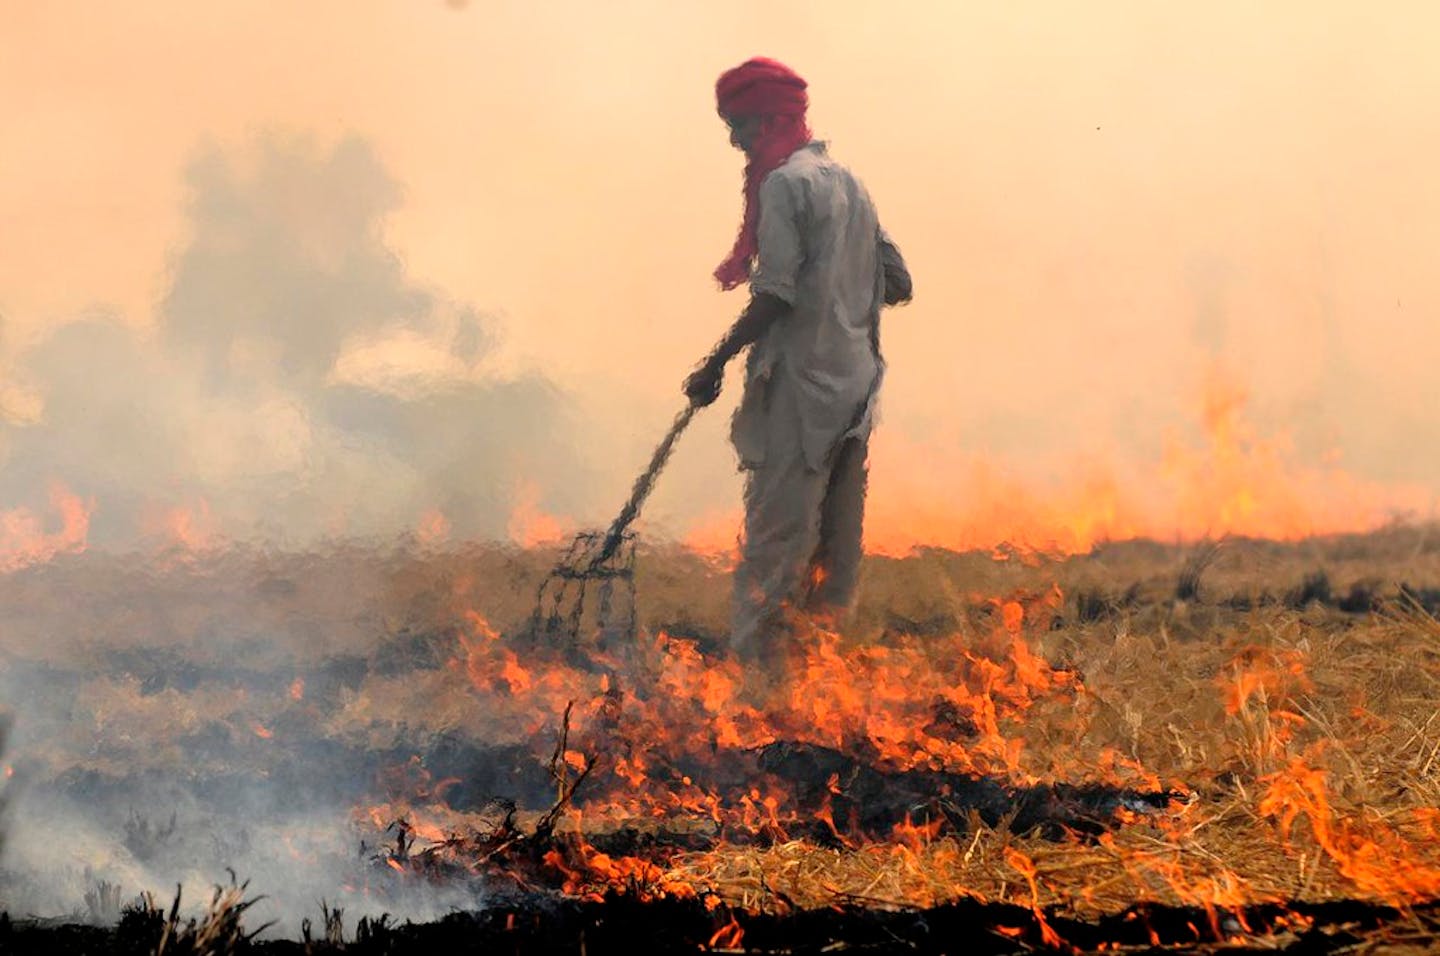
(1218, 744)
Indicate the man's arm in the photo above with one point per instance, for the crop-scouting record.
(897, 276)
(764, 310)
(773, 284)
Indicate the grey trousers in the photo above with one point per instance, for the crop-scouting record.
(801, 548)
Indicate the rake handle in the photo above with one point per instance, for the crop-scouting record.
(642, 487)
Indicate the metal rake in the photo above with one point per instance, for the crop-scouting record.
(605, 561)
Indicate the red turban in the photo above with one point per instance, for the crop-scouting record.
(772, 91)
(761, 87)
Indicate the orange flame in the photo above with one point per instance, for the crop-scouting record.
(1372, 855)
(588, 873)
(187, 526)
(728, 936)
(1234, 479)
(1026, 868)
(888, 697)
(433, 528)
(716, 536)
(529, 526)
(24, 540)
(942, 703)
(1276, 674)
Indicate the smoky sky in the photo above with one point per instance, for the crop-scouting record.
(271, 394)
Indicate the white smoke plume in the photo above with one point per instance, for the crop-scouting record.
(297, 384)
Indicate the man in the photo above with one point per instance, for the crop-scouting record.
(819, 268)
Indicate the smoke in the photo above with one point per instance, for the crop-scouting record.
(300, 393)
(293, 860)
(297, 384)
(176, 721)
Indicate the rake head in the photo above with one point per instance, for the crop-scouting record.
(590, 591)
(599, 568)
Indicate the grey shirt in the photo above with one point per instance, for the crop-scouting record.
(820, 251)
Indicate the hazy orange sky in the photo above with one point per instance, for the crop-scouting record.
(1108, 207)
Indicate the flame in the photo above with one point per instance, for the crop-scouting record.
(1234, 479)
(972, 504)
(24, 540)
(297, 689)
(716, 535)
(191, 527)
(883, 700)
(728, 936)
(433, 528)
(588, 873)
(490, 663)
(1212, 892)
(1260, 689)
(529, 526)
(886, 698)
(1268, 673)
(950, 703)
(1372, 854)
(1026, 868)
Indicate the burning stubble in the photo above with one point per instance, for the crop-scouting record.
(350, 724)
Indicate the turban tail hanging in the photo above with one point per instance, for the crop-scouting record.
(773, 92)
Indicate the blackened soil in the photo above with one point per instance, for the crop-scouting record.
(624, 925)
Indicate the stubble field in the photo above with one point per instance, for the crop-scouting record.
(1213, 744)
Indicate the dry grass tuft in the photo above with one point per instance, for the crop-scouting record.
(218, 931)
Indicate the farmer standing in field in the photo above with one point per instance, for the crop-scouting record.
(819, 268)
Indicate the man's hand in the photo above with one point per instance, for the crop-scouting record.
(764, 310)
(898, 289)
(703, 385)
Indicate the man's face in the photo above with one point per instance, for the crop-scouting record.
(743, 131)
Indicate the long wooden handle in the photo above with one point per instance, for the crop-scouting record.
(642, 487)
